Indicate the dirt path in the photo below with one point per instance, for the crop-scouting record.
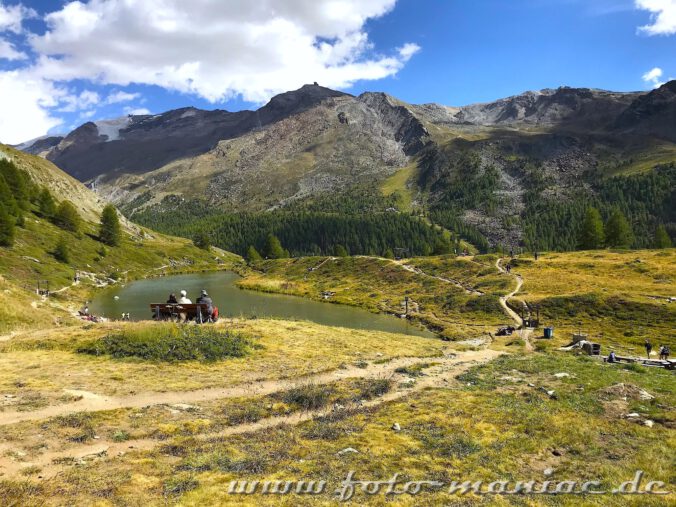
(418, 271)
(524, 333)
(440, 373)
(92, 402)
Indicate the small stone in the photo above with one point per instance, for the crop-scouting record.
(96, 437)
(552, 394)
(648, 423)
(531, 385)
(396, 427)
(632, 415)
(348, 450)
(548, 472)
(562, 375)
(556, 452)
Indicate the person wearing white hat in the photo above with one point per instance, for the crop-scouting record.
(183, 300)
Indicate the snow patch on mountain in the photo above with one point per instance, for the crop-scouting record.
(111, 128)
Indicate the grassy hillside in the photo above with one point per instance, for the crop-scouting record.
(619, 298)
(456, 297)
(33, 258)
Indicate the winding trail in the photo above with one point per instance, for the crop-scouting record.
(92, 402)
(524, 333)
(440, 372)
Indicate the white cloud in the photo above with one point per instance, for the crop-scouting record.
(663, 18)
(120, 96)
(216, 49)
(24, 103)
(12, 16)
(653, 77)
(9, 52)
(136, 111)
(75, 102)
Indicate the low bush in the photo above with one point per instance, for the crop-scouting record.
(308, 396)
(171, 342)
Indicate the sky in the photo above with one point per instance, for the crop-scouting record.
(63, 63)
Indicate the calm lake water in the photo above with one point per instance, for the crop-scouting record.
(136, 297)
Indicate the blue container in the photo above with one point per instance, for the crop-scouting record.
(549, 332)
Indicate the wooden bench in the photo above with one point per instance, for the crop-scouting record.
(173, 311)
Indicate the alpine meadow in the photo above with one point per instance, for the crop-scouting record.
(251, 254)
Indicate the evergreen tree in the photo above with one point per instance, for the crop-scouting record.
(592, 235)
(202, 240)
(618, 231)
(340, 251)
(46, 204)
(252, 255)
(662, 239)
(67, 217)
(273, 248)
(7, 197)
(388, 254)
(110, 231)
(6, 227)
(61, 252)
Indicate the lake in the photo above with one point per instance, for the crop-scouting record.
(136, 297)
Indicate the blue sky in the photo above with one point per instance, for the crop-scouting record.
(64, 63)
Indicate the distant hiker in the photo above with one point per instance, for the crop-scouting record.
(511, 253)
(172, 299)
(84, 311)
(611, 357)
(535, 254)
(648, 347)
(184, 299)
(205, 299)
(664, 353)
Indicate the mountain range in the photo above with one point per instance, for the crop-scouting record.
(483, 161)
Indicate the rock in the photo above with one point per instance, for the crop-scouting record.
(562, 375)
(632, 415)
(548, 472)
(552, 395)
(185, 407)
(396, 427)
(556, 452)
(531, 385)
(648, 423)
(338, 407)
(347, 450)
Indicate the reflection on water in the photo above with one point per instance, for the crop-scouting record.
(136, 297)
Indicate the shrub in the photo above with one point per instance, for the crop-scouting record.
(372, 388)
(307, 397)
(171, 342)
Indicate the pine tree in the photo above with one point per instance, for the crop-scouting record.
(273, 248)
(61, 252)
(67, 217)
(202, 240)
(6, 227)
(388, 254)
(252, 255)
(592, 235)
(7, 197)
(46, 204)
(662, 239)
(618, 231)
(109, 230)
(340, 251)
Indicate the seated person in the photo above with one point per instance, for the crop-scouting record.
(172, 299)
(184, 299)
(611, 357)
(205, 299)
